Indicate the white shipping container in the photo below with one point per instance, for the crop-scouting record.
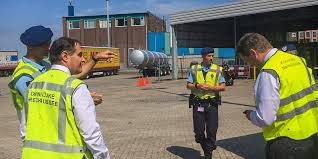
(8, 62)
(8, 58)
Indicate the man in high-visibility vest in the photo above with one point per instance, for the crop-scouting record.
(38, 40)
(286, 99)
(60, 113)
(205, 82)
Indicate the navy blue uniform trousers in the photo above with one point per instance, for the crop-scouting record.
(206, 121)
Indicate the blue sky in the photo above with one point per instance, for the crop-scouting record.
(18, 15)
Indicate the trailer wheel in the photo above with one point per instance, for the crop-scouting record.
(164, 72)
(161, 73)
(6, 73)
(111, 73)
(168, 71)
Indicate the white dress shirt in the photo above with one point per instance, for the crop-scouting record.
(85, 118)
(267, 97)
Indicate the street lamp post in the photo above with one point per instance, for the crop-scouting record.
(108, 34)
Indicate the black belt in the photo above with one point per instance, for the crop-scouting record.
(196, 101)
(208, 101)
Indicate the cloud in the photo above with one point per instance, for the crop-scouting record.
(91, 11)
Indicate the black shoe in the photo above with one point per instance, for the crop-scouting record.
(208, 155)
(213, 147)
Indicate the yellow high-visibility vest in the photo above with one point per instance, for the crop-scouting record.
(212, 78)
(297, 115)
(23, 69)
(51, 131)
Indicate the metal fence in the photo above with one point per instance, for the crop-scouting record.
(236, 64)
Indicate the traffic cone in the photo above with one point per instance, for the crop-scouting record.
(147, 81)
(138, 82)
(142, 81)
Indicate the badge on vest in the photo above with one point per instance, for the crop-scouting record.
(212, 75)
(200, 109)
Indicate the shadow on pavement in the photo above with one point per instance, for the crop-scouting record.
(247, 105)
(249, 147)
(185, 152)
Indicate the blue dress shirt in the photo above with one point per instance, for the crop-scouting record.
(22, 83)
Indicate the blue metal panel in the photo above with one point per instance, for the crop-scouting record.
(197, 51)
(183, 51)
(151, 41)
(156, 41)
(226, 52)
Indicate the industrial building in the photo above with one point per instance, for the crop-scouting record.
(221, 26)
(127, 31)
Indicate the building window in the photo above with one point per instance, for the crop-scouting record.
(74, 24)
(138, 21)
(314, 40)
(121, 22)
(307, 35)
(314, 34)
(103, 23)
(89, 23)
(301, 35)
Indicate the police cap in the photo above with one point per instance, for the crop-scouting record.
(36, 36)
(207, 50)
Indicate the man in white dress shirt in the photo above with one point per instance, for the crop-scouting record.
(286, 99)
(60, 112)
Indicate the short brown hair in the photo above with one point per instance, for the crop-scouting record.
(60, 45)
(252, 41)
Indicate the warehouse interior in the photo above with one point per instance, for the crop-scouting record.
(222, 26)
(226, 31)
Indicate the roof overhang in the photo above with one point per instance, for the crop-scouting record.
(245, 7)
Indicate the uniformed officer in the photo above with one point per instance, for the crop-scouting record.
(60, 113)
(205, 81)
(286, 100)
(290, 48)
(37, 39)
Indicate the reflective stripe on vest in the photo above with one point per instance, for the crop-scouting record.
(62, 102)
(297, 115)
(195, 70)
(33, 75)
(53, 147)
(297, 111)
(297, 96)
(214, 69)
(23, 69)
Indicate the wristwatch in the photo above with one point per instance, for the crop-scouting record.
(94, 59)
(196, 85)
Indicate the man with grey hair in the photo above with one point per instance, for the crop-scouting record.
(286, 102)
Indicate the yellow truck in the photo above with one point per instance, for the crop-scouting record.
(105, 67)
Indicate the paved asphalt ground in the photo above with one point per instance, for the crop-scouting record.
(153, 122)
